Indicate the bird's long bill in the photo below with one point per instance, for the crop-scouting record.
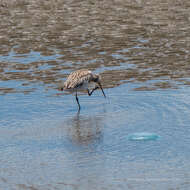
(101, 89)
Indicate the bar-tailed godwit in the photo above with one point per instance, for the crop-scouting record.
(82, 80)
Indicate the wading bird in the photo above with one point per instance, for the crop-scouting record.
(82, 80)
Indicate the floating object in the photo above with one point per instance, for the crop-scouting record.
(143, 136)
(82, 80)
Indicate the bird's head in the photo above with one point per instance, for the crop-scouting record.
(97, 79)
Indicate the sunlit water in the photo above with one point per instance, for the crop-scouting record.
(136, 138)
(46, 143)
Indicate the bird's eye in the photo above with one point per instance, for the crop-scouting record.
(96, 80)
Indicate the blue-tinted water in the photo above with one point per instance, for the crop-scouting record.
(44, 138)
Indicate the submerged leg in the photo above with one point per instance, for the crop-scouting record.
(77, 100)
(90, 93)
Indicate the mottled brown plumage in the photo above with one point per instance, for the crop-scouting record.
(82, 80)
(78, 78)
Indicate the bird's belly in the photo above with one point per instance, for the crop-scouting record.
(87, 85)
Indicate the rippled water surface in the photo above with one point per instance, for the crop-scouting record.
(141, 50)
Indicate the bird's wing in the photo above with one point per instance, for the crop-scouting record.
(77, 78)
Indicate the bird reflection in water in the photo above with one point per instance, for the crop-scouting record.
(86, 130)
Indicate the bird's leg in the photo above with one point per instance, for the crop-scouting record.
(77, 100)
(90, 93)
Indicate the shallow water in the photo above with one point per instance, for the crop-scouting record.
(141, 49)
(45, 143)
